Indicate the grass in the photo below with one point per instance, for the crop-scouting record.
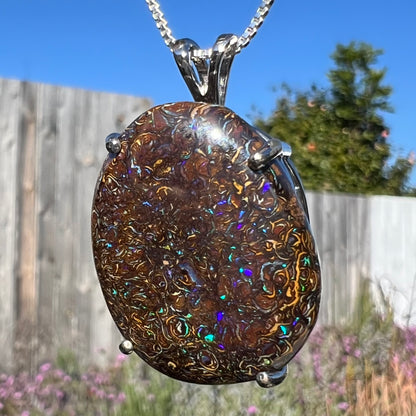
(365, 368)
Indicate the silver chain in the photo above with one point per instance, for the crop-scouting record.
(243, 40)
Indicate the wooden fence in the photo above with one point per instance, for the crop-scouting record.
(51, 149)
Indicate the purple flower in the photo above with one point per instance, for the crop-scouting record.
(343, 405)
(97, 392)
(46, 391)
(252, 410)
(59, 373)
(121, 397)
(45, 367)
(100, 394)
(17, 395)
(349, 341)
(333, 386)
(120, 360)
(59, 394)
(100, 379)
(316, 360)
(357, 353)
(9, 381)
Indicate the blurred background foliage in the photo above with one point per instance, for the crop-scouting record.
(338, 135)
(366, 367)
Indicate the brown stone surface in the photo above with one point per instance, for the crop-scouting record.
(208, 267)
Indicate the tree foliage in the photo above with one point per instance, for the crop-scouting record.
(338, 135)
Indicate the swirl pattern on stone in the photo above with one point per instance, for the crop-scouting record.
(208, 267)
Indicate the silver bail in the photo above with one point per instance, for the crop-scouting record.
(206, 72)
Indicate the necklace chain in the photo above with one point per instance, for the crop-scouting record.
(243, 40)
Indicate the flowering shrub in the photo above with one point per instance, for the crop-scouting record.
(52, 391)
(365, 368)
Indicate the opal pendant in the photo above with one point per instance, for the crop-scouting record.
(203, 247)
(201, 236)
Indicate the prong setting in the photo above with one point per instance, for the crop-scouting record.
(265, 156)
(126, 347)
(272, 378)
(113, 144)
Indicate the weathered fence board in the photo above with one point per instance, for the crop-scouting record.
(393, 254)
(342, 233)
(51, 150)
(52, 147)
(9, 106)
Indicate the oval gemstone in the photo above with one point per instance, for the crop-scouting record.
(208, 267)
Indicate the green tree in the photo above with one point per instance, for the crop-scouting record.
(338, 135)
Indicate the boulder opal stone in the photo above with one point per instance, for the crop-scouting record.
(207, 266)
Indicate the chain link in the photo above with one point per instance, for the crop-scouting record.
(243, 40)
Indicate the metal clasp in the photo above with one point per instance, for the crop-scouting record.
(206, 72)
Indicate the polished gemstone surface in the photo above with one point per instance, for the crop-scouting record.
(208, 267)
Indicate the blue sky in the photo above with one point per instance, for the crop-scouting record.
(113, 45)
